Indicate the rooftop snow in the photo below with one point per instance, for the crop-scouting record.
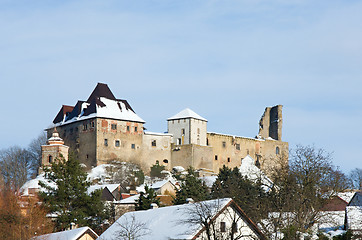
(73, 234)
(354, 217)
(111, 187)
(187, 113)
(253, 173)
(164, 223)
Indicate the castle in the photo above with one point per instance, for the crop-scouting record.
(105, 128)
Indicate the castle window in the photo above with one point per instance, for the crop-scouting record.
(85, 126)
(133, 146)
(92, 124)
(135, 129)
(237, 146)
(215, 157)
(114, 126)
(87, 156)
(183, 131)
(178, 141)
(198, 131)
(207, 141)
(127, 128)
(50, 158)
(224, 144)
(153, 143)
(222, 227)
(165, 161)
(228, 159)
(277, 150)
(117, 143)
(106, 142)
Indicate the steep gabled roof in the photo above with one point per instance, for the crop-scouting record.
(101, 90)
(63, 113)
(101, 103)
(187, 113)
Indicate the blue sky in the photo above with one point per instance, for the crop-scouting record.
(226, 60)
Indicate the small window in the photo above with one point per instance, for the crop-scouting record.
(183, 131)
(87, 156)
(165, 161)
(215, 157)
(237, 146)
(178, 141)
(198, 131)
(92, 124)
(207, 141)
(224, 144)
(135, 129)
(133, 146)
(277, 150)
(153, 143)
(127, 128)
(105, 142)
(114, 126)
(117, 143)
(234, 227)
(85, 126)
(50, 158)
(228, 159)
(222, 227)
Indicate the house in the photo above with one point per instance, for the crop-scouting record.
(356, 200)
(163, 187)
(83, 233)
(182, 222)
(104, 128)
(110, 192)
(354, 220)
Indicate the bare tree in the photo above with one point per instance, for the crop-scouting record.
(229, 224)
(34, 149)
(355, 178)
(304, 187)
(131, 228)
(15, 166)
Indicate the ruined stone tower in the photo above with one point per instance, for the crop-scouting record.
(270, 125)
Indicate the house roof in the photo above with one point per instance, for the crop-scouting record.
(101, 103)
(111, 187)
(169, 222)
(73, 234)
(187, 113)
(155, 185)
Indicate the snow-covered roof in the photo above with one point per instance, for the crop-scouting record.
(102, 104)
(157, 134)
(164, 223)
(73, 234)
(130, 200)
(111, 187)
(253, 173)
(155, 185)
(346, 196)
(354, 217)
(34, 184)
(187, 113)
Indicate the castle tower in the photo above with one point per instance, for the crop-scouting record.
(53, 150)
(187, 127)
(270, 125)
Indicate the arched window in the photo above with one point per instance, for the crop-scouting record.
(277, 150)
(165, 161)
(50, 158)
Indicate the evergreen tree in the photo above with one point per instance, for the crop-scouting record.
(248, 195)
(68, 198)
(146, 199)
(156, 170)
(192, 187)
